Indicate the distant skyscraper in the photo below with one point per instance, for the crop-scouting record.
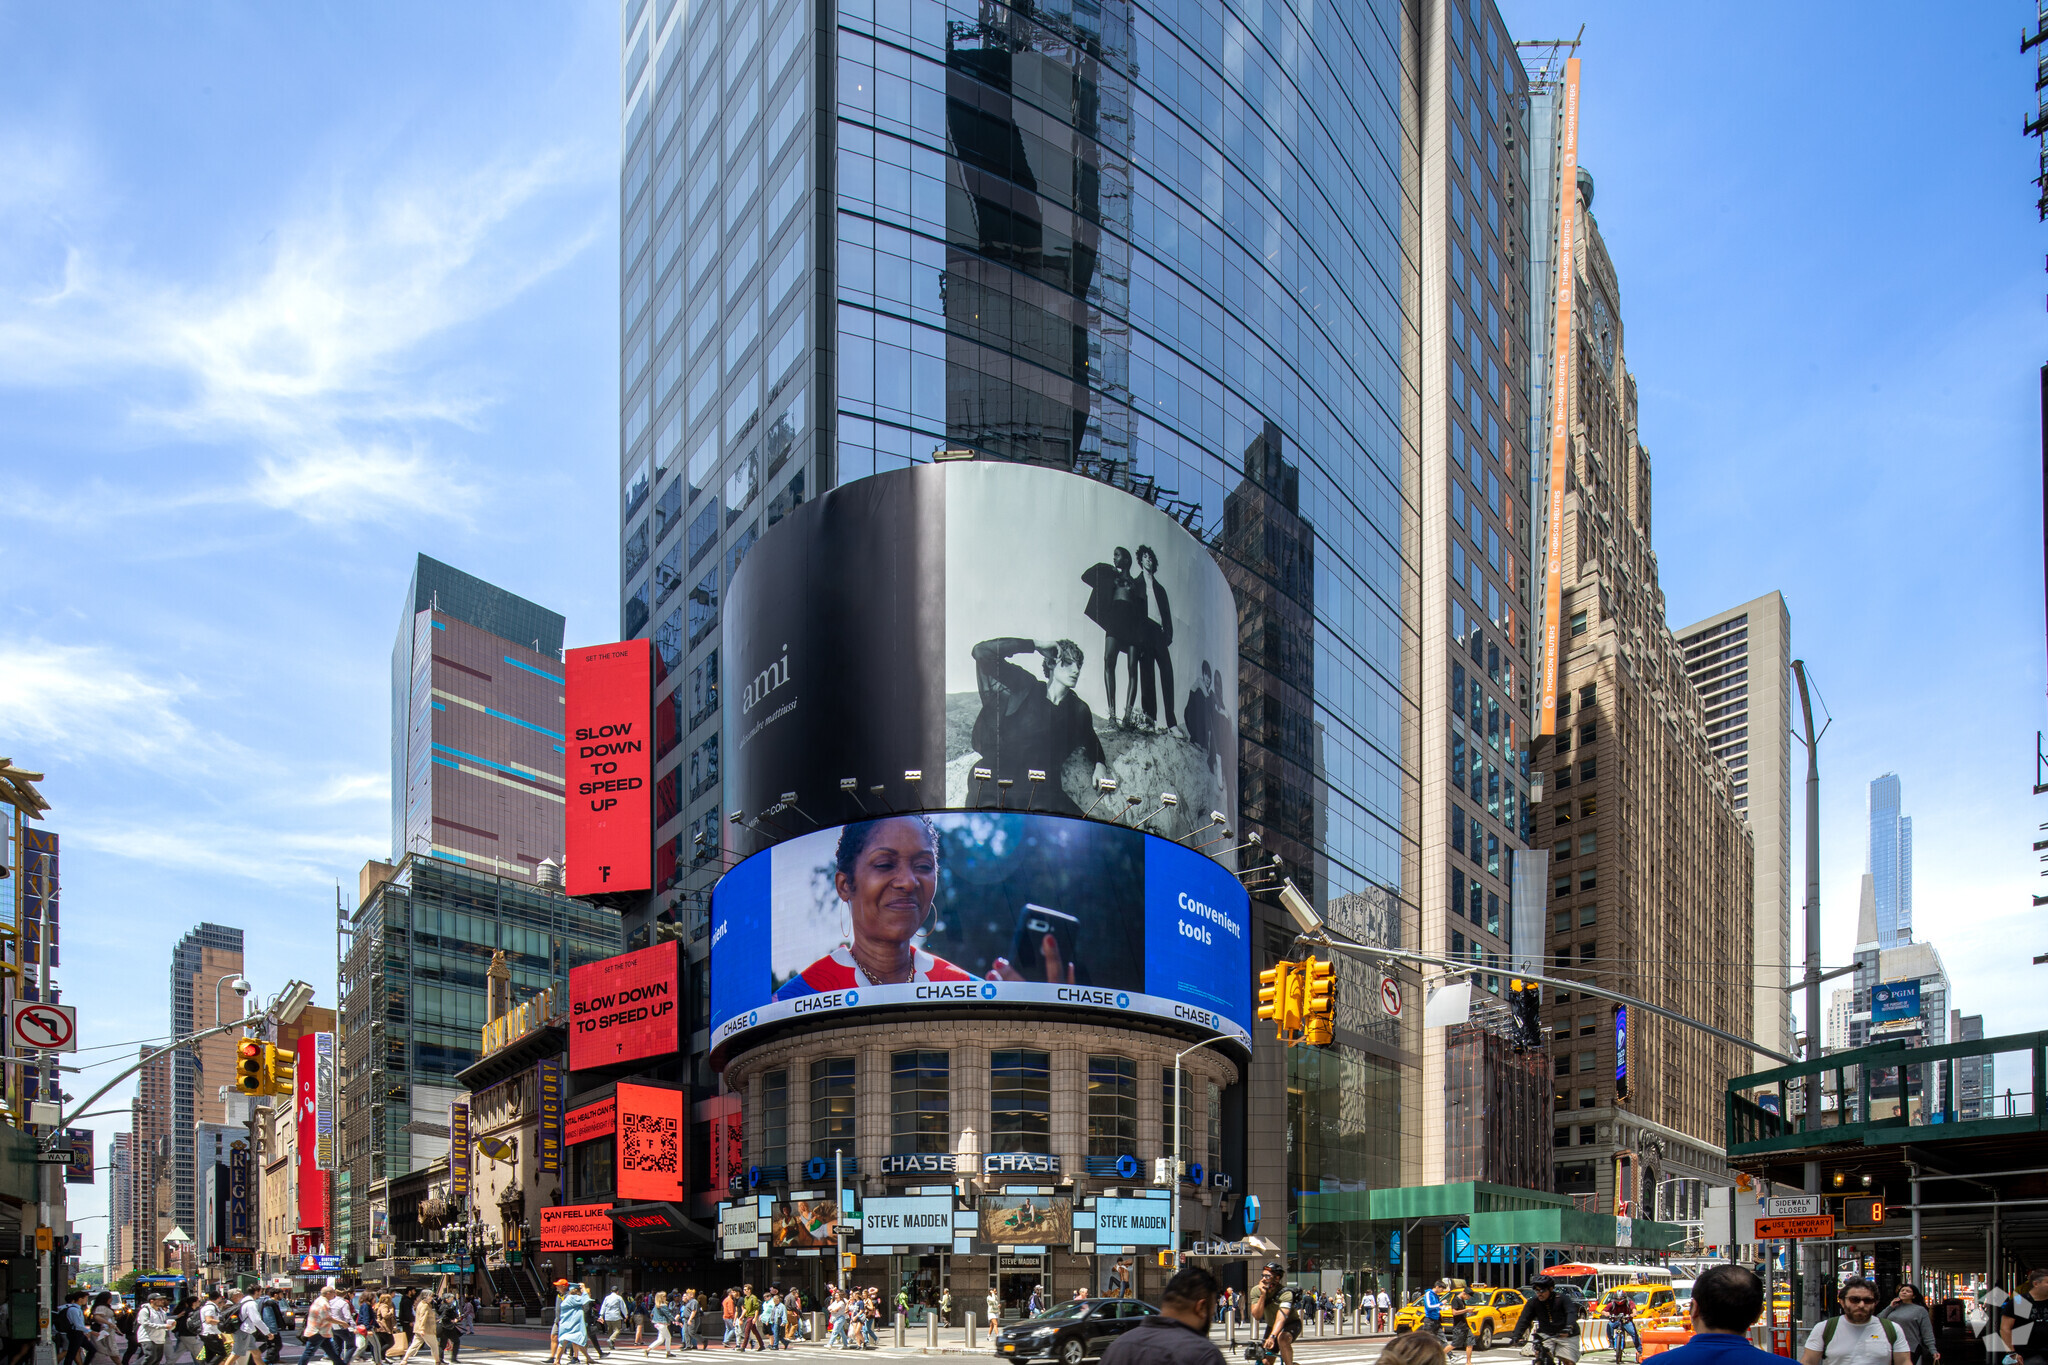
(1841, 1004)
(476, 725)
(1738, 661)
(1891, 862)
(207, 955)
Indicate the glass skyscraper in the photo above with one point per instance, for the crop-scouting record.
(1175, 249)
(1891, 862)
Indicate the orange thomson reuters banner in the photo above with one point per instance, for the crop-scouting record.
(576, 1227)
(608, 693)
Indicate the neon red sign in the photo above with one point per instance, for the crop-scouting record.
(608, 696)
(626, 1007)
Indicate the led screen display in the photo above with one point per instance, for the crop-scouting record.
(576, 1227)
(624, 1008)
(953, 909)
(608, 768)
(978, 636)
(650, 1142)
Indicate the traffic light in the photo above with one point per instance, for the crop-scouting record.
(1318, 1002)
(281, 1068)
(249, 1078)
(1277, 988)
(1166, 1259)
(1525, 1018)
(848, 1261)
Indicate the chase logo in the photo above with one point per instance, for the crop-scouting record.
(753, 1018)
(853, 997)
(1123, 1001)
(988, 990)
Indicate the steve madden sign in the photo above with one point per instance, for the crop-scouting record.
(1020, 1163)
(918, 1163)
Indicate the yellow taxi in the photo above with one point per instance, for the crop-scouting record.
(1494, 1312)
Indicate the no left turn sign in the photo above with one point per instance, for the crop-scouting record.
(49, 1028)
(1390, 997)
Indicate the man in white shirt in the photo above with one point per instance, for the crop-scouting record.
(1382, 1307)
(318, 1333)
(153, 1322)
(209, 1328)
(612, 1313)
(1858, 1336)
(249, 1330)
(344, 1318)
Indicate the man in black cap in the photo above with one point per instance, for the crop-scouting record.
(1179, 1335)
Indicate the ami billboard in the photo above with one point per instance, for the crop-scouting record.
(608, 695)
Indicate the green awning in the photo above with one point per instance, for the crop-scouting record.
(1569, 1227)
(1462, 1200)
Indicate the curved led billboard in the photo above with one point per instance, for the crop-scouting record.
(981, 909)
(971, 635)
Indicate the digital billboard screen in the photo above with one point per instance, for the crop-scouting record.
(1132, 1222)
(650, 1142)
(608, 768)
(1007, 635)
(979, 910)
(576, 1227)
(624, 1008)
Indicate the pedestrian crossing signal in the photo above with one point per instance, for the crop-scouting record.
(849, 1261)
(249, 1077)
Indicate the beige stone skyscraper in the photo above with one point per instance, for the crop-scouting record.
(1739, 661)
(1651, 867)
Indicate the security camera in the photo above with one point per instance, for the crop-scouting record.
(240, 986)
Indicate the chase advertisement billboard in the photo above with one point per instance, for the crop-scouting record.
(979, 909)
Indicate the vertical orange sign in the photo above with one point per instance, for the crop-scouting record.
(1560, 392)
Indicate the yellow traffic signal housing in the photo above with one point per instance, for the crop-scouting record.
(849, 1261)
(1276, 987)
(249, 1077)
(280, 1069)
(1166, 1259)
(1318, 1002)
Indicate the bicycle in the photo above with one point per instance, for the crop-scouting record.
(1546, 1349)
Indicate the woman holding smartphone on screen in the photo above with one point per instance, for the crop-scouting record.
(887, 873)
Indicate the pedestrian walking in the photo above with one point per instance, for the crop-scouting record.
(385, 1314)
(750, 1318)
(73, 1342)
(424, 1328)
(1460, 1307)
(774, 1316)
(1908, 1310)
(572, 1327)
(249, 1332)
(1179, 1333)
(1856, 1337)
(612, 1315)
(658, 1313)
(342, 1311)
(153, 1325)
(124, 1323)
(692, 1312)
(1383, 1310)
(318, 1333)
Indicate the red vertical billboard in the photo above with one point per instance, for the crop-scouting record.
(624, 1008)
(650, 1142)
(312, 1180)
(608, 696)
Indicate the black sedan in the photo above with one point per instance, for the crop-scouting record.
(1072, 1332)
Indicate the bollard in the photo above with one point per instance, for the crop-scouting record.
(902, 1328)
(1230, 1327)
(970, 1331)
(931, 1330)
(1319, 1322)
(818, 1328)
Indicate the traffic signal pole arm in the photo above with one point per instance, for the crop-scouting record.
(148, 1057)
(1322, 937)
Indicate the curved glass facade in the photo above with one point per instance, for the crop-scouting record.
(1174, 248)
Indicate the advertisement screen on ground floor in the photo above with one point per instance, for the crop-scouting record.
(966, 635)
(993, 910)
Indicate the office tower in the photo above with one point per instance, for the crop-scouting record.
(1650, 862)
(1975, 1084)
(1841, 1005)
(1100, 238)
(1890, 861)
(1916, 963)
(150, 1121)
(204, 959)
(476, 725)
(1484, 1104)
(120, 1206)
(1865, 958)
(1740, 663)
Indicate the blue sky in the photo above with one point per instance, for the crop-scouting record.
(290, 294)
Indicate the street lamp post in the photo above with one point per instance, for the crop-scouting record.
(1173, 1187)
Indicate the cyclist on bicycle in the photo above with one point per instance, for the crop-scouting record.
(1621, 1324)
(1273, 1310)
(1553, 1318)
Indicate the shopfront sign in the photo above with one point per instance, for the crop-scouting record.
(918, 1163)
(1133, 1222)
(907, 1220)
(1020, 1163)
(743, 1227)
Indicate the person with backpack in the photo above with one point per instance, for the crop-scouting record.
(2029, 1306)
(1856, 1336)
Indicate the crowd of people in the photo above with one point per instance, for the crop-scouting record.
(222, 1326)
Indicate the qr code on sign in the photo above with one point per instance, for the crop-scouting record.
(650, 1143)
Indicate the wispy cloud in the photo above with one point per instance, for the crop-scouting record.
(254, 852)
(321, 359)
(74, 701)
